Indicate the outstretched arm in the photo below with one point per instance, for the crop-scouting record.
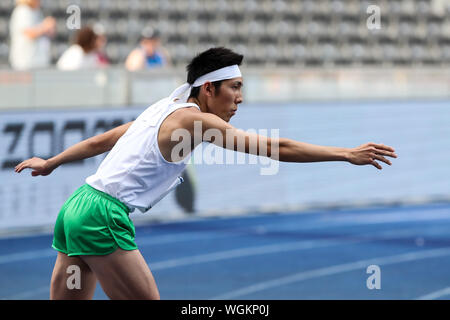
(91, 147)
(283, 149)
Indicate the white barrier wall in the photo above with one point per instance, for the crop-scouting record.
(114, 87)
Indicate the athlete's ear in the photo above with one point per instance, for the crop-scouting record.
(208, 88)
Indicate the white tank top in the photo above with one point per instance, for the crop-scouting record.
(134, 171)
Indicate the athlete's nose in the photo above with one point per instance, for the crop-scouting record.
(239, 99)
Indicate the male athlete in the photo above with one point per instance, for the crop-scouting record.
(93, 229)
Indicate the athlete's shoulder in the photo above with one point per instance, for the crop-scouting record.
(186, 115)
(191, 117)
(188, 110)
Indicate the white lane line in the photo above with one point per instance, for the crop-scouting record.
(435, 295)
(27, 255)
(247, 252)
(377, 218)
(179, 237)
(327, 271)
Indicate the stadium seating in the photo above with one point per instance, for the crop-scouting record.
(268, 32)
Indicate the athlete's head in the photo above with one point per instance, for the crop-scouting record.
(218, 97)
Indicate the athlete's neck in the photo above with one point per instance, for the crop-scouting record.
(199, 102)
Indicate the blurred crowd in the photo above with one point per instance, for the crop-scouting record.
(31, 34)
(270, 33)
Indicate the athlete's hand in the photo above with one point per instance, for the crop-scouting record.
(39, 166)
(370, 152)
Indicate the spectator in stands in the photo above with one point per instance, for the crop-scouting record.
(83, 53)
(149, 54)
(30, 36)
(102, 58)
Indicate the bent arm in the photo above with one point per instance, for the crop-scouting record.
(91, 147)
(88, 148)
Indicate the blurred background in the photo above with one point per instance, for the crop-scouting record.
(328, 72)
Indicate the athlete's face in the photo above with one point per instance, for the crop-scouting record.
(224, 102)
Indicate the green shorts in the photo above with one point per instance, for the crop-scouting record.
(92, 222)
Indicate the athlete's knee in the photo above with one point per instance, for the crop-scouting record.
(149, 296)
(146, 291)
(154, 295)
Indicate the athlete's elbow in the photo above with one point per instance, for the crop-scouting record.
(98, 144)
(276, 148)
(284, 151)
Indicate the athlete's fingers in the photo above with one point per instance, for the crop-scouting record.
(385, 153)
(20, 170)
(376, 165)
(22, 166)
(17, 168)
(382, 147)
(25, 164)
(30, 163)
(378, 157)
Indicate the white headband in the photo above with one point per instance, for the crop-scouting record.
(183, 91)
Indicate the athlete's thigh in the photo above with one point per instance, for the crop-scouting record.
(124, 275)
(72, 279)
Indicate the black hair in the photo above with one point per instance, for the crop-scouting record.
(209, 61)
